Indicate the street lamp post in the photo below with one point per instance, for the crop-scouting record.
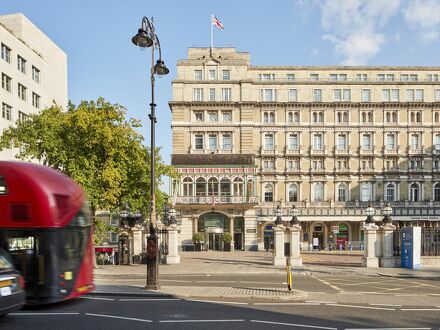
(147, 37)
(128, 220)
(295, 213)
(369, 211)
(386, 211)
(278, 214)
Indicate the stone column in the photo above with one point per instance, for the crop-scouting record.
(279, 259)
(370, 259)
(173, 254)
(295, 257)
(231, 230)
(387, 235)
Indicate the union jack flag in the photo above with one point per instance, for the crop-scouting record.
(217, 23)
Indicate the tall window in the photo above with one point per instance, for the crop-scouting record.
(35, 74)
(6, 111)
(268, 141)
(317, 141)
(6, 53)
(293, 96)
(212, 94)
(22, 92)
(366, 191)
(187, 187)
(226, 74)
(414, 192)
(342, 192)
(342, 142)
(268, 95)
(198, 74)
(238, 187)
(293, 141)
(226, 142)
(415, 141)
(437, 94)
(211, 74)
(390, 95)
(226, 116)
(226, 94)
(367, 116)
(21, 64)
(200, 187)
(390, 192)
(317, 95)
(437, 192)
(212, 142)
(269, 117)
(6, 82)
(318, 192)
(366, 95)
(268, 193)
(391, 145)
(198, 94)
(318, 117)
(225, 187)
(366, 141)
(213, 116)
(293, 193)
(198, 141)
(198, 116)
(213, 186)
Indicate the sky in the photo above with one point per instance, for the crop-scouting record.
(103, 62)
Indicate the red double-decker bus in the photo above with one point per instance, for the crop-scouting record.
(46, 225)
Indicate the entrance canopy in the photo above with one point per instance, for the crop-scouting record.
(215, 230)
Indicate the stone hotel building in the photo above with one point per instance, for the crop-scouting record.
(328, 140)
(33, 71)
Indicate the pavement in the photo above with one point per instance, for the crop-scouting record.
(322, 263)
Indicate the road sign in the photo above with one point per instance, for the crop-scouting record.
(335, 229)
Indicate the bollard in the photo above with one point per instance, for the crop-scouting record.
(340, 247)
(289, 275)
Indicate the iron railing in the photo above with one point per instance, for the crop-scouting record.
(431, 241)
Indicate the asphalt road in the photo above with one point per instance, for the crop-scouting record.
(118, 312)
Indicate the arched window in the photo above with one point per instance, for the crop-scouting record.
(296, 117)
(342, 192)
(321, 117)
(201, 187)
(419, 117)
(345, 117)
(412, 117)
(364, 117)
(213, 186)
(388, 117)
(268, 193)
(315, 117)
(437, 192)
(390, 192)
(370, 117)
(436, 117)
(187, 187)
(225, 187)
(394, 117)
(271, 117)
(293, 193)
(318, 192)
(238, 187)
(290, 117)
(414, 192)
(339, 119)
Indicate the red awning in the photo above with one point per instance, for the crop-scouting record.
(105, 249)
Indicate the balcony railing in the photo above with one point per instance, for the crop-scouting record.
(391, 151)
(367, 151)
(292, 151)
(415, 151)
(216, 200)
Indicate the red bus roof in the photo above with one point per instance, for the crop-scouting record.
(36, 196)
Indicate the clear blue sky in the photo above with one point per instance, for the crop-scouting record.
(102, 61)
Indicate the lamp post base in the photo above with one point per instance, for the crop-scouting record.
(152, 262)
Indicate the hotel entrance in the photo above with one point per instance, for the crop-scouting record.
(214, 235)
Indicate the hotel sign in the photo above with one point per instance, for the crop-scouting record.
(424, 218)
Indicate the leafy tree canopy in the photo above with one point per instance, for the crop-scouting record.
(96, 146)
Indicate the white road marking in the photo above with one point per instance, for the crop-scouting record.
(198, 321)
(321, 302)
(420, 309)
(218, 302)
(366, 307)
(287, 304)
(388, 329)
(119, 317)
(388, 305)
(294, 325)
(96, 298)
(149, 299)
(43, 314)
(327, 283)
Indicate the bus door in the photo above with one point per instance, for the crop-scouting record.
(24, 248)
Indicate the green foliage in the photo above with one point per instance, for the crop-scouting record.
(96, 146)
(101, 230)
(227, 237)
(198, 237)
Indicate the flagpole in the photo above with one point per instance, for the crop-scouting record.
(212, 37)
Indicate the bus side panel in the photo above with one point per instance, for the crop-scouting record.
(84, 278)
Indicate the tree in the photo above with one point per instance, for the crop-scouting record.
(96, 146)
